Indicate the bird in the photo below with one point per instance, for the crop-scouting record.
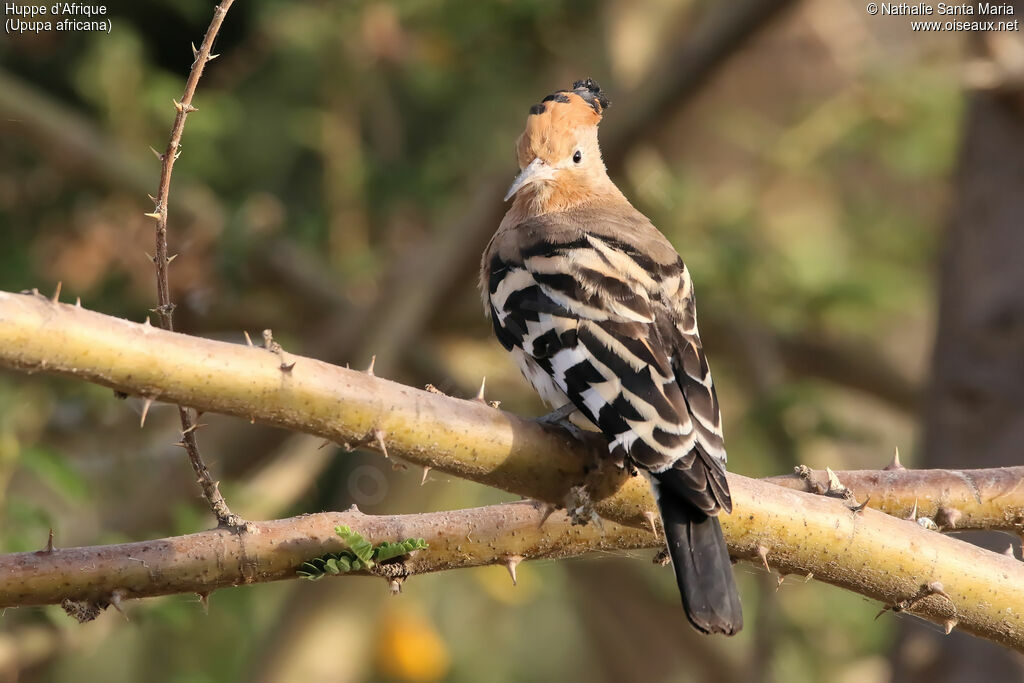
(598, 310)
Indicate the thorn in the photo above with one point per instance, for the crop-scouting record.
(156, 202)
(248, 339)
(193, 428)
(913, 512)
(49, 543)
(378, 436)
(324, 444)
(157, 154)
(762, 552)
(649, 516)
(78, 302)
(287, 367)
(56, 294)
(115, 602)
(171, 258)
(177, 105)
(860, 507)
(511, 562)
(195, 55)
(373, 361)
(426, 471)
(895, 464)
(546, 510)
(810, 575)
(155, 216)
(1008, 552)
(480, 394)
(352, 508)
(145, 411)
(268, 339)
(949, 625)
(180, 444)
(189, 108)
(212, 57)
(204, 600)
(151, 259)
(431, 389)
(395, 584)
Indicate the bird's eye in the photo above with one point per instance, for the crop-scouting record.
(577, 157)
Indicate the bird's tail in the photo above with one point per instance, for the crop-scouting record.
(701, 562)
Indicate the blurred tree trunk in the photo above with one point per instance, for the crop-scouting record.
(975, 404)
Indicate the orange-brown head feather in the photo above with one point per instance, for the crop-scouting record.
(558, 151)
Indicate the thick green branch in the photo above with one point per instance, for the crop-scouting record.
(877, 555)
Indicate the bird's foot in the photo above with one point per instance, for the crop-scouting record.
(559, 416)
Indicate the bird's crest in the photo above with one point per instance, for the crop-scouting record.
(551, 121)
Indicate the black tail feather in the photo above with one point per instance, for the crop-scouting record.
(701, 562)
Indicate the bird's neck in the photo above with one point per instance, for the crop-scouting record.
(557, 196)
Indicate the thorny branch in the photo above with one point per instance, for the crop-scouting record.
(877, 555)
(165, 307)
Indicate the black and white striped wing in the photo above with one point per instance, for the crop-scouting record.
(592, 319)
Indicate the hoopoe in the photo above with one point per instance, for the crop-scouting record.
(598, 310)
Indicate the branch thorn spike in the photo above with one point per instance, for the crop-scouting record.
(949, 625)
(49, 543)
(145, 411)
(373, 361)
(195, 55)
(324, 444)
(762, 552)
(649, 516)
(155, 216)
(426, 471)
(511, 562)
(1009, 551)
(287, 367)
(378, 436)
(480, 394)
(913, 512)
(546, 510)
(177, 105)
(156, 202)
(78, 302)
(147, 323)
(171, 258)
(895, 464)
(157, 154)
(115, 602)
(56, 292)
(248, 339)
(212, 57)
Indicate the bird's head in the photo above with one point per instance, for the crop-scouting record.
(558, 152)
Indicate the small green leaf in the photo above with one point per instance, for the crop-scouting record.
(359, 546)
(387, 551)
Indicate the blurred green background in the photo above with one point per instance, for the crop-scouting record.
(338, 183)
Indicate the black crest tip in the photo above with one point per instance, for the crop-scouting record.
(590, 91)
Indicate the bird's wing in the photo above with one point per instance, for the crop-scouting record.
(615, 328)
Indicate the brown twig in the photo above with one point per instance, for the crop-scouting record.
(165, 307)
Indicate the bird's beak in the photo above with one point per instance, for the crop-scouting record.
(536, 170)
